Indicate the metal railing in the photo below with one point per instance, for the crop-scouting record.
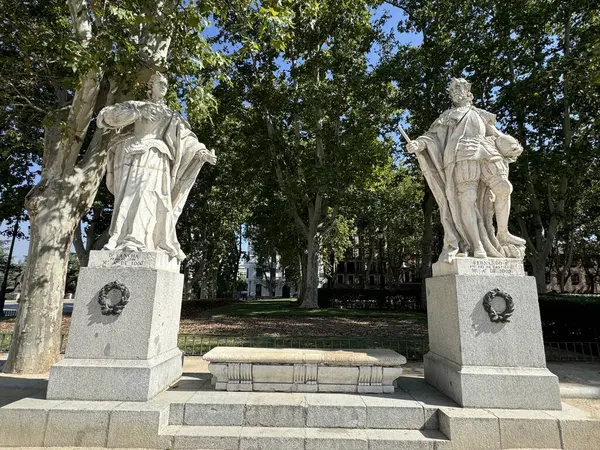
(572, 351)
(412, 349)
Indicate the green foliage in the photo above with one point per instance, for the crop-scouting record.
(534, 64)
(286, 308)
(304, 112)
(336, 243)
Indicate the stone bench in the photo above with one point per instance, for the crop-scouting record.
(302, 370)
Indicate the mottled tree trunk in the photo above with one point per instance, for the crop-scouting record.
(69, 184)
(310, 297)
(36, 339)
(539, 273)
(188, 281)
(65, 192)
(302, 287)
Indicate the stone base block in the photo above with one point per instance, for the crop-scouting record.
(114, 379)
(123, 335)
(493, 387)
(485, 336)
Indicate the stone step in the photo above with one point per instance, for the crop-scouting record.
(298, 410)
(270, 438)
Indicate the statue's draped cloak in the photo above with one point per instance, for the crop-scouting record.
(150, 178)
(438, 162)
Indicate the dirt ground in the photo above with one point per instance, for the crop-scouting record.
(374, 327)
(196, 318)
(378, 327)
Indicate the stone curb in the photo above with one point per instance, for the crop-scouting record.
(571, 390)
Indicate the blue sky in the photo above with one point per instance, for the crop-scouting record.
(21, 245)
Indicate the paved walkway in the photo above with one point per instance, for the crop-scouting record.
(578, 380)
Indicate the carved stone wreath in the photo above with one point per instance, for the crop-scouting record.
(496, 316)
(106, 308)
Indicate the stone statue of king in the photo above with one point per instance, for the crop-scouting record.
(464, 159)
(153, 161)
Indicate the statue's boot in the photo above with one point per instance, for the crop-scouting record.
(507, 238)
(480, 252)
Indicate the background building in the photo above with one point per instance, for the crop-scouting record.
(266, 279)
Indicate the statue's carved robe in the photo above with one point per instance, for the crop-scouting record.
(152, 166)
(438, 163)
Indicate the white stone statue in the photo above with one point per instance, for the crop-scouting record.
(153, 161)
(464, 159)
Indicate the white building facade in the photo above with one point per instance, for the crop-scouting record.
(265, 280)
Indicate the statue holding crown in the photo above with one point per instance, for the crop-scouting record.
(153, 161)
(464, 159)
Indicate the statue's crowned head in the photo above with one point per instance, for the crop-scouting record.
(157, 86)
(460, 91)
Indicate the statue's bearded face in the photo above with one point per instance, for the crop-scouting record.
(460, 93)
(159, 89)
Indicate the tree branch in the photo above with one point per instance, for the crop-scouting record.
(278, 172)
(398, 4)
(523, 228)
(78, 244)
(329, 227)
(82, 27)
(28, 105)
(21, 96)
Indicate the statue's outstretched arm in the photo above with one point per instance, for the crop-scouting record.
(119, 115)
(491, 130)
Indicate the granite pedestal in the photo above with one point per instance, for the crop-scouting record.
(480, 357)
(128, 352)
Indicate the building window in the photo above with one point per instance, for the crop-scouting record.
(371, 279)
(340, 267)
(341, 279)
(382, 280)
(350, 279)
(351, 267)
(575, 278)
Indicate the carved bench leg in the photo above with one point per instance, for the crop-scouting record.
(239, 377)
(369, 379)
(305, 377)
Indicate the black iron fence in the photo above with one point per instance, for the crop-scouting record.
(572, 351)
(412, 349)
